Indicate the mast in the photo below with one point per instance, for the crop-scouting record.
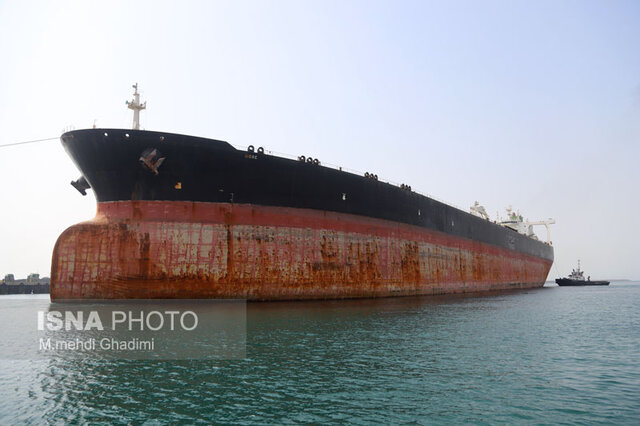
(136, 106)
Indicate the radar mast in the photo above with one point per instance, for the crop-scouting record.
(136, 106)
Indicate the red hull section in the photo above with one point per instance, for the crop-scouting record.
(156, 249)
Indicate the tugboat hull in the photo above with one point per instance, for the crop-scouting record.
(578, 283)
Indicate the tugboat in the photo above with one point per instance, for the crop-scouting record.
(577, 279)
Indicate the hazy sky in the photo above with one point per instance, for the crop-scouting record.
(534, 104)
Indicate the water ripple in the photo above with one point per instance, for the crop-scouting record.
(556, 355)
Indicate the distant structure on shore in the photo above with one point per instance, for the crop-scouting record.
(33, 284)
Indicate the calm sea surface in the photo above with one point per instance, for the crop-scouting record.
(552, 355)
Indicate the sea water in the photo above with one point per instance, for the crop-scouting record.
(551, 355)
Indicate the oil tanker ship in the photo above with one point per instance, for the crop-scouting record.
(186, 217)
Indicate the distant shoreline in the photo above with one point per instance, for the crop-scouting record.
(24, 288)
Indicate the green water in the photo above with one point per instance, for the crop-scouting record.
(552, 355)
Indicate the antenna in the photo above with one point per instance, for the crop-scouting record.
(136, 106)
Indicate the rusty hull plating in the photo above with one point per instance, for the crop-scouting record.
(182, 249)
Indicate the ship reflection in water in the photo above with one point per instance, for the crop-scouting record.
(545, 355)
